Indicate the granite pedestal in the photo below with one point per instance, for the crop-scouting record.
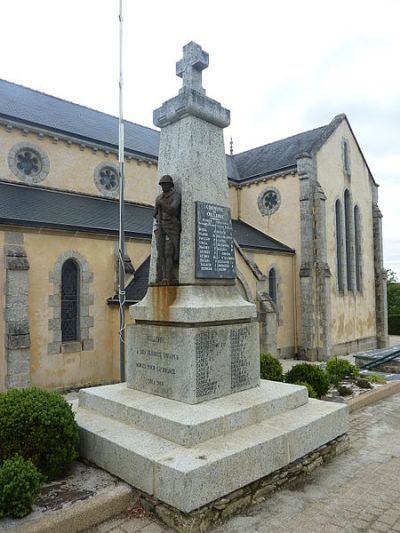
(189, 455)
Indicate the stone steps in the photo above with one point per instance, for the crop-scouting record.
(187, 424)
(189, 477)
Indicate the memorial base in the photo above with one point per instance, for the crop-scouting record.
(190, 455)
(193, 364)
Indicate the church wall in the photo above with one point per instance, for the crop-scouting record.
(57, 370)
(97, 360)
(281, 225)
(283, 265)
(353, 313)
(3, 364)
(72, 167)
(233, 199)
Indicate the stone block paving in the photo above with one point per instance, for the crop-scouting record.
(358, 491)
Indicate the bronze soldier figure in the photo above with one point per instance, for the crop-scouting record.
(167, 213)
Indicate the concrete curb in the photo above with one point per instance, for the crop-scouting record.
(373, 396)
(79, 515)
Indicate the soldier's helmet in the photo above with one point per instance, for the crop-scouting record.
(166, 179)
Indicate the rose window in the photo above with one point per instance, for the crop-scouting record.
(108, 179)
(28, 162)
(269, 201)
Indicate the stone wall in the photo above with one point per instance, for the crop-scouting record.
(17, 335)
(380, 276)
(353, 311)
(221, 510)
(315, 321)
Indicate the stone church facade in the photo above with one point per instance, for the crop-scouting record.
(307, 229)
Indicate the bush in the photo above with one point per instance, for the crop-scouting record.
(339, 369)
(311, 391)
(40, 426)
(363, 383)
(311, 374)
(270, 367)
(20, 483)
(394, 324)
(375, 378)
(343, 390)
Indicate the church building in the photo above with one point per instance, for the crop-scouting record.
(306, 223)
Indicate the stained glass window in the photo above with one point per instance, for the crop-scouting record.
(70, 301)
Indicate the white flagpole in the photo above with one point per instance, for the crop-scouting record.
(121, 243)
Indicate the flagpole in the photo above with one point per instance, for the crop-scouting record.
(121, 242)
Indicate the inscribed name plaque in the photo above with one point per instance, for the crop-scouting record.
(193, 364)
(215, 256)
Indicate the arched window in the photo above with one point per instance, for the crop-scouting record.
(357, 246)
(70, 301)
(339, 245)
(348, 236)
(272, 284)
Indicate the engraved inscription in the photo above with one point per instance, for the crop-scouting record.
(239, 362)
(206, 342)
(215, 257)
(154, 362)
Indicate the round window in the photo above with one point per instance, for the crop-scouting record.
(269, 201)
(28, 162)
(106, 179)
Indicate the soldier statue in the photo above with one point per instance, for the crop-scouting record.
(167, 213)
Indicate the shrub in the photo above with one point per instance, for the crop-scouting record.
(20, 483)
(312, 374)
(363, 383)
(40, 426)
(270, 367)
(375, 378)
(311, 391)
(394, 324)
(339, 369)
(343, 390)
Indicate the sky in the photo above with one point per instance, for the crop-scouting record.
(280, 67)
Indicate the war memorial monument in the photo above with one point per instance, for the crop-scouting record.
(194, 423)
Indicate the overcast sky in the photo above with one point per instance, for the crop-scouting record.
(280, 67)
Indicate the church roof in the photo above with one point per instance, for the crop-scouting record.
(27, 106)
(24, 205)
(20, 104)
(276, 156)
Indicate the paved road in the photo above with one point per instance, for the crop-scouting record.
(358, 491)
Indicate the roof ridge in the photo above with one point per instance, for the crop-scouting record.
(76, 104)
(281, 140)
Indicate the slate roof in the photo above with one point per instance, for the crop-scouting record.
(137, 288)
(25, 105)
(276, 156)
(32, 206)
(36, 207)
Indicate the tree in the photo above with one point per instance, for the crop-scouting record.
(391, 276)
(393, 293)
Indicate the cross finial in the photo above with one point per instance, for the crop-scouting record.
(190, 66)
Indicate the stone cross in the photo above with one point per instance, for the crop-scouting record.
(190, 66)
